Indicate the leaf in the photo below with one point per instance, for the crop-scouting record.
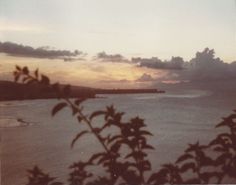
(97, 130)
(230, 171)
(79, 101)
(192, 181)
(15, 73)
(16, 78)
(222, 159)
(78, 136)
(159, 178)
(18, 68)
(136, 155)
(56, 183)
(184, 157)
(45, 80)
(220, 149)
(36, 73)
(79, 118)
(25, 70)
(145, 165)
(228, 121)
(106, 125)
(58, 107)
(221, 139)
(215, 141)
(144, 132)
(131, 177)
(206, 161)
(115, 147)
(96, 113)
(113, 138)
(103, 159)
(188, 166)
(146, 146)
(96, 156)
(25, 78)
(31, 81)
(206, 176)
(225, 135)
(110, 111)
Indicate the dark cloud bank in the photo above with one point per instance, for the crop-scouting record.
(145, 78)
(205, 66)
(176, 63)
(14, 49)
(104, 57)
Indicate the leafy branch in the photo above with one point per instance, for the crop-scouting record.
(124, 157)
(129, 135)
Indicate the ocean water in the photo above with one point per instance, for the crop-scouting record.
(30, 136)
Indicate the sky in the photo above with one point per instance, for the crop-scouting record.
(131, 28)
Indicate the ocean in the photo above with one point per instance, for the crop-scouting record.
(30, 136)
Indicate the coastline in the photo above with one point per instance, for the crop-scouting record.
(11, 91)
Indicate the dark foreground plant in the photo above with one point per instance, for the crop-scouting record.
(123, 156)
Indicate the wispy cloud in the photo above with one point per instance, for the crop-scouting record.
(115, 81)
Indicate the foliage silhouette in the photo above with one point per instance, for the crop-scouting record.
(123, 154)
(37, 177)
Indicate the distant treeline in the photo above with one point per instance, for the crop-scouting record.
(127, 91)
(16, 91)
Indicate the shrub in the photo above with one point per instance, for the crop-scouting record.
(124, 151)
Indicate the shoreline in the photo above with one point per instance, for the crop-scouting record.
(95, 97)
(11, 91)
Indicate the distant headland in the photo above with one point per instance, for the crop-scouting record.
(15, 91)
(127, 91)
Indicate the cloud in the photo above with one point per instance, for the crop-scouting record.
(176, 63)
(232, 68)
(41, 52)
(104, 57)
(115, 81)
(145, 78)
(205, 67)
(97, 68)
(70, 59)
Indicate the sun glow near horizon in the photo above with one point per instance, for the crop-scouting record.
(84, 73)
(118, 31)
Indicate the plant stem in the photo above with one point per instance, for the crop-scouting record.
(84, 118)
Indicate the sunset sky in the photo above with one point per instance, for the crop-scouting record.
(131, 28)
